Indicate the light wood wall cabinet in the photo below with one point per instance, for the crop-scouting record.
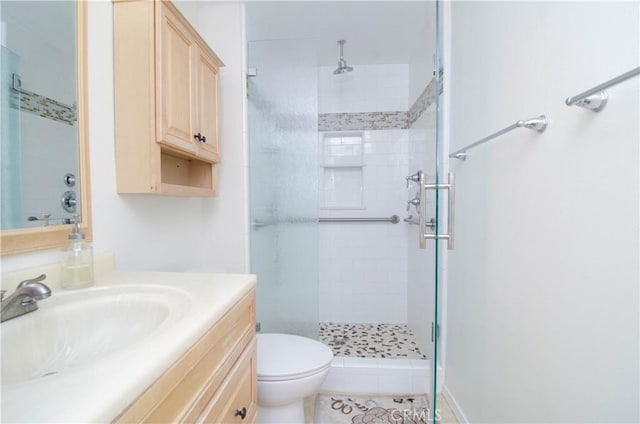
(214, 382)
(166, 102)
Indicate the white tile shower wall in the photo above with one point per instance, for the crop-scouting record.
(369, 88)
(363, 272)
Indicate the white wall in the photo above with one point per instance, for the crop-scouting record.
(543, 287)
(154, 232)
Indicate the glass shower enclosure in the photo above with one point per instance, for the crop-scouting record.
(282, 90)
(283, 125)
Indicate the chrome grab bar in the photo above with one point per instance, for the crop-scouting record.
(394, 219)
(539, 124)
(595, 99)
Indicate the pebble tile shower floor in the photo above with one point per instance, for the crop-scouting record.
(391, 341)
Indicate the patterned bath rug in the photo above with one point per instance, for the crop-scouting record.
(361, 409)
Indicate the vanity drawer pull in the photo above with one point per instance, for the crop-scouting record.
(242, 412)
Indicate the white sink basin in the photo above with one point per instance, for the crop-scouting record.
(85, 355)
(75, 329)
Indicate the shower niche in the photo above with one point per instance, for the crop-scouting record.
(341, 171)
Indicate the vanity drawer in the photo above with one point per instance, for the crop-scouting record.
(237, 395)
(183, 391)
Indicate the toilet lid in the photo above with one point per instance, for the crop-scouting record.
(285, 356)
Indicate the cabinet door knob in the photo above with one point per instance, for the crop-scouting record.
(200, 138)
(242, 412)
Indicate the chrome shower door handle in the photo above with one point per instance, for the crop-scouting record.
(451, 211)
(422, 214)
(449, 236)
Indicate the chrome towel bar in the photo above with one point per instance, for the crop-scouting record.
(539, 124)
(596, 98)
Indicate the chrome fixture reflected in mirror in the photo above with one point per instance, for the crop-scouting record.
(45, 171)
(342, 64)
(69, 179)
(69, 201)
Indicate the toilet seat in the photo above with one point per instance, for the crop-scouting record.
(288, 357)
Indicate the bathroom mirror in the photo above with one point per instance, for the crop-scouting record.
(45, 162)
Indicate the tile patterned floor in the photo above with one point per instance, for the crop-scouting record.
(390, 341)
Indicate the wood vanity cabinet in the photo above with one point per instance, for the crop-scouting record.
(166, 102)
(213, 382)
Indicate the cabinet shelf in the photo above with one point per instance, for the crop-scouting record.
(166, 102)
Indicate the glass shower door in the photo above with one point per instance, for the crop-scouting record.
(283, 125)
(428, 192)
(443, 231)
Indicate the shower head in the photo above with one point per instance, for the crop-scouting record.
(342, 64)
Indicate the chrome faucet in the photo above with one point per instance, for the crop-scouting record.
(24, 299)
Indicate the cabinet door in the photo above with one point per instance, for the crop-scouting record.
(208, 107)
(236, 400)
(175, 100)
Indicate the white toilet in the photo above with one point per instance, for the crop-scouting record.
(290, 368)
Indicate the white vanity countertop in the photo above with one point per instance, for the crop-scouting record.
(101, 390)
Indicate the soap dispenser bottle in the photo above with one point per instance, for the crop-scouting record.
(77, 260)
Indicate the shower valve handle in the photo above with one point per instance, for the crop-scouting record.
(415, 202)
(415, 178)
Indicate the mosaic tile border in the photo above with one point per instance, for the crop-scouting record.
(47, 108)
(422, 103)
(362, 121)
(390, 341)
(397, 120)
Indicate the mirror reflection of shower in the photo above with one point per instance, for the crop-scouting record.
(38, 114)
